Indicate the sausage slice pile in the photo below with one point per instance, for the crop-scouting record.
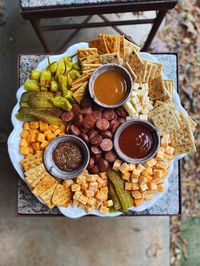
(96, 126)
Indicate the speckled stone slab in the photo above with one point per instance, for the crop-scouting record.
(56, 3)
(169, 204)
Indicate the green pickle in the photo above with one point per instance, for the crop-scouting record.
(38, 102)
(25, 95)
(31, 85)
(51, 119)
(124, 196)
(113, 196)
(25, 117)
(62, 103)
(35, 74)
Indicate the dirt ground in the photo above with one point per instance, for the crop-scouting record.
(181, 33)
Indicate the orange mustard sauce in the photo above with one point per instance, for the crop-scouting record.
(136, 141)
(110, 87)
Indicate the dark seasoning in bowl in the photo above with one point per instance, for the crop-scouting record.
(67, 156)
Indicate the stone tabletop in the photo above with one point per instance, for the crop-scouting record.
(56, 3)
(169, 204)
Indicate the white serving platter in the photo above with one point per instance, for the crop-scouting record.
(14, 140)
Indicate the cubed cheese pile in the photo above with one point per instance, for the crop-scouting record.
(139, 104)
(90, 192)
(143, 180)
(37, 135)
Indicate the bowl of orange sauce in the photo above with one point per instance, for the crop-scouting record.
(110, 86)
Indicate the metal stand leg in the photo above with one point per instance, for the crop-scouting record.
(39, 32)
(156, 25)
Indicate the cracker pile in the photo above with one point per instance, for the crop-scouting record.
(143, 180)
(106, 49)
(37, 135)
(167, 119)
(42, 184)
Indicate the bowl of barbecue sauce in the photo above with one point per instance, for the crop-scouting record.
(66, 157)
(136, 141)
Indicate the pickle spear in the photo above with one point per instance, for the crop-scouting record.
(25, 117)
(37, 102)
(125, 197)
(113, 196)
(51, 119)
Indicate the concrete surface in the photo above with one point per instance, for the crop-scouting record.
(60, 241)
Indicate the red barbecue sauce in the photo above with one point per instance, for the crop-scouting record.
(136, 141)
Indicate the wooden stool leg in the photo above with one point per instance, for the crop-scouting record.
(156, 25)
(40, 34)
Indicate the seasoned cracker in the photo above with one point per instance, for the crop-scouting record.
(164, 119)
(137, 65)
(61, 196)
(100, 44)
(110, 58)
(79, 94)
(80, 80)
(44, 184)
(33, 173)
(112, 43)
(133, 75)
(122, 50)
(47, 195)
(31, 161)
(157, 89)
(147, 72)
(153, 71)
(38, 179)
(90, 59)
(84, 52)
(129, 47)
(159, 69)
(182, 140)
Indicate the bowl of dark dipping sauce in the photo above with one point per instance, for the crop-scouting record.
(110, 86)
(136, 141)
(66, 157)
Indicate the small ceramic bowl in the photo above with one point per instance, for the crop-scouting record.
(156, 141)
(52, 167)
(123, 71)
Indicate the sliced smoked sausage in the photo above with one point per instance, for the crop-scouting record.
(89, 121)
(107, 134)
(95, 150)
(102, 124)
(68, 116)
(96, 140)
(110, 156)
(91, 163)
(75, 130)
(84, 137)
(106, 145)
(103, 165)
(109, 115)
(95, 170)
